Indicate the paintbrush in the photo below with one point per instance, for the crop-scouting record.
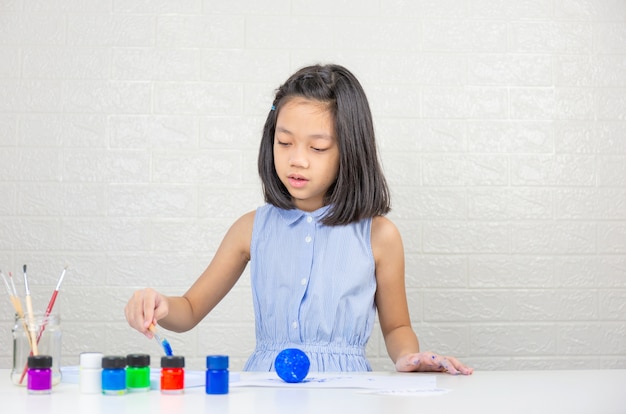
(31, 315)
(17, 304)
(11, 296)
(162, 341)
(16, 299)
(55, 293)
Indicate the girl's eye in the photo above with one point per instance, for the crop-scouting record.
(319, 149)
(282, 143)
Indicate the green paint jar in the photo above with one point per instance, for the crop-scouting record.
(137, 372)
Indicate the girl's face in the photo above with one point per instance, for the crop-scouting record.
(306, 154)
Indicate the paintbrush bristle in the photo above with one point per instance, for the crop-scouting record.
(167, 347)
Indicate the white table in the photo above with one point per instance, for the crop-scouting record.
(589, 392)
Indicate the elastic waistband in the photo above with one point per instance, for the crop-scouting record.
(312, 348)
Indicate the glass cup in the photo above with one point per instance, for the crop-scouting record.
(46, 330)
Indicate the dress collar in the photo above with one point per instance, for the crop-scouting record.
(293, 215)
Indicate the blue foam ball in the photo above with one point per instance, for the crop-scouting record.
(292, 365)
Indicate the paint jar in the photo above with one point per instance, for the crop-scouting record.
(172, 374)
(114, 375)
(47, 332)
(90, 375)
(137, 372)
(39, 374)
(216, 374)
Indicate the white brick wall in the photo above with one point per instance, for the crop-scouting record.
(128, 139)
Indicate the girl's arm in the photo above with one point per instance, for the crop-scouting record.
(393, 312)
(181, 313)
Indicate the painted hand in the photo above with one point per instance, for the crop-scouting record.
(430, 362)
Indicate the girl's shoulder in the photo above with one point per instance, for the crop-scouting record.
(246, 220)
(383, 227)
(384, 234)
(242, 227)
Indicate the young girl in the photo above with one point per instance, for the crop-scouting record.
(323, 257)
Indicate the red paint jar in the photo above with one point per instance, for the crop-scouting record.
(172, 374)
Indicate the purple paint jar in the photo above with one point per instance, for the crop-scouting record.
(39, 374)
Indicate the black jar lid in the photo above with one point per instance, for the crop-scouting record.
(138, 360)
(39, 361)
(172, 361)
(113, 362)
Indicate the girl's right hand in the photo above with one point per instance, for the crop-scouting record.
(144, 308)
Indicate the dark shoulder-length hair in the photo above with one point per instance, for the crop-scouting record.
(360, 190)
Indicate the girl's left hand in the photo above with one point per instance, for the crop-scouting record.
(430, 362)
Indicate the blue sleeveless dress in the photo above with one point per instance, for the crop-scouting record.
(313, 288)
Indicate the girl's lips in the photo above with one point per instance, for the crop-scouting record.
(297, 181)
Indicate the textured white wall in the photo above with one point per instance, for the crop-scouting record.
(128, 139)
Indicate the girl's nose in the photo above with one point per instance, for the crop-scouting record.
(297, 158)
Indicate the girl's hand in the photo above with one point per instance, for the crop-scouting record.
(430, 362)
(144, 308)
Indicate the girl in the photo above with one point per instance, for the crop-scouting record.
(323, 257)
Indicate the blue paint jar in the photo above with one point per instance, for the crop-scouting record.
(216, 374)
(114, 375)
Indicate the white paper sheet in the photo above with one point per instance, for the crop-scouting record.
(410, 384)
(342, 380)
